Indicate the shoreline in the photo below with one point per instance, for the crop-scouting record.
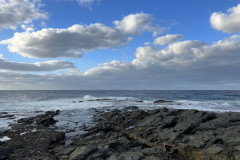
(129, 133)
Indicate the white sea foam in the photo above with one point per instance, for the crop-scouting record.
(77, 113)
(212, 106)
(88, 97)
(5, 138)
(23, 133)
(22, 109)
(4, 123)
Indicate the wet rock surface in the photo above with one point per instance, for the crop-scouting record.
(162, 101)
(130, 134)
(162, 134)
(31, 139)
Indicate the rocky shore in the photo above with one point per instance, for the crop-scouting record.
(31, 138)
(129, 134)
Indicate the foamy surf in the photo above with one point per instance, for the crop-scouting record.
(77, 110)
(5, 138)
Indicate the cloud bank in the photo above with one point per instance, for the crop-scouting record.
(227, 22)
(35, 67)
(16, 12)
(78, 39)
(182, 62)
(188, 62)
(170, 63)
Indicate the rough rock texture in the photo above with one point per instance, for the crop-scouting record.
(31, 139)
(160, 134)
(162, 101)
(132, 134)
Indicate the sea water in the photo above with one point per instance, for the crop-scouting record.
(77, 107)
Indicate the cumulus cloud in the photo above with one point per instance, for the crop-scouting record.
(70, 42)
(16, 12)
(180, 62)
(175, 53)
(170, 38)
(192, 54)
(187, 62)
(36, 67)
(227, 22)
(135, 23)
(77, 39)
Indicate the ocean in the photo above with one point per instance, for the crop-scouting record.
(77, 107)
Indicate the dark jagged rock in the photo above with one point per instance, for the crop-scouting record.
(34, 144)
(77, 101)
(26, 120)
(164, 134)
(82, 152)
(46, 119)
(9, 116)
(103, 99)
(131, 108)
(132, 134)
(100, 99)
(31, 140)
(162, 101)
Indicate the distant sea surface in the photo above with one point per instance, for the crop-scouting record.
(79, 105)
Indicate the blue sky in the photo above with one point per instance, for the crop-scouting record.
(106, 44)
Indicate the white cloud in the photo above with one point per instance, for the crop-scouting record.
(227, 22)
(147, 43)
(170, 38)
(135, 23)
(194, 64)
(159, 31)
(70, 42)
(194, 54)
(36, 67)
(108, 69)
(178, 53)
(85, 2)
(191, 64)
(180, 62)
(77, 39)
(17, 12)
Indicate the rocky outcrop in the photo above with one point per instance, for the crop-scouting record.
(30, 138)
(131, 134)
(161, 134)
(162, 101)
(6, 115)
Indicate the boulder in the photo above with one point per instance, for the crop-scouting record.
(45, 120)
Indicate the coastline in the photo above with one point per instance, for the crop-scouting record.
(129, 133)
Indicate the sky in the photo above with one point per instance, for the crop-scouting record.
(119, 44)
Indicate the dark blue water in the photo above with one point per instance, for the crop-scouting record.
(24, 101)
(196, 95)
